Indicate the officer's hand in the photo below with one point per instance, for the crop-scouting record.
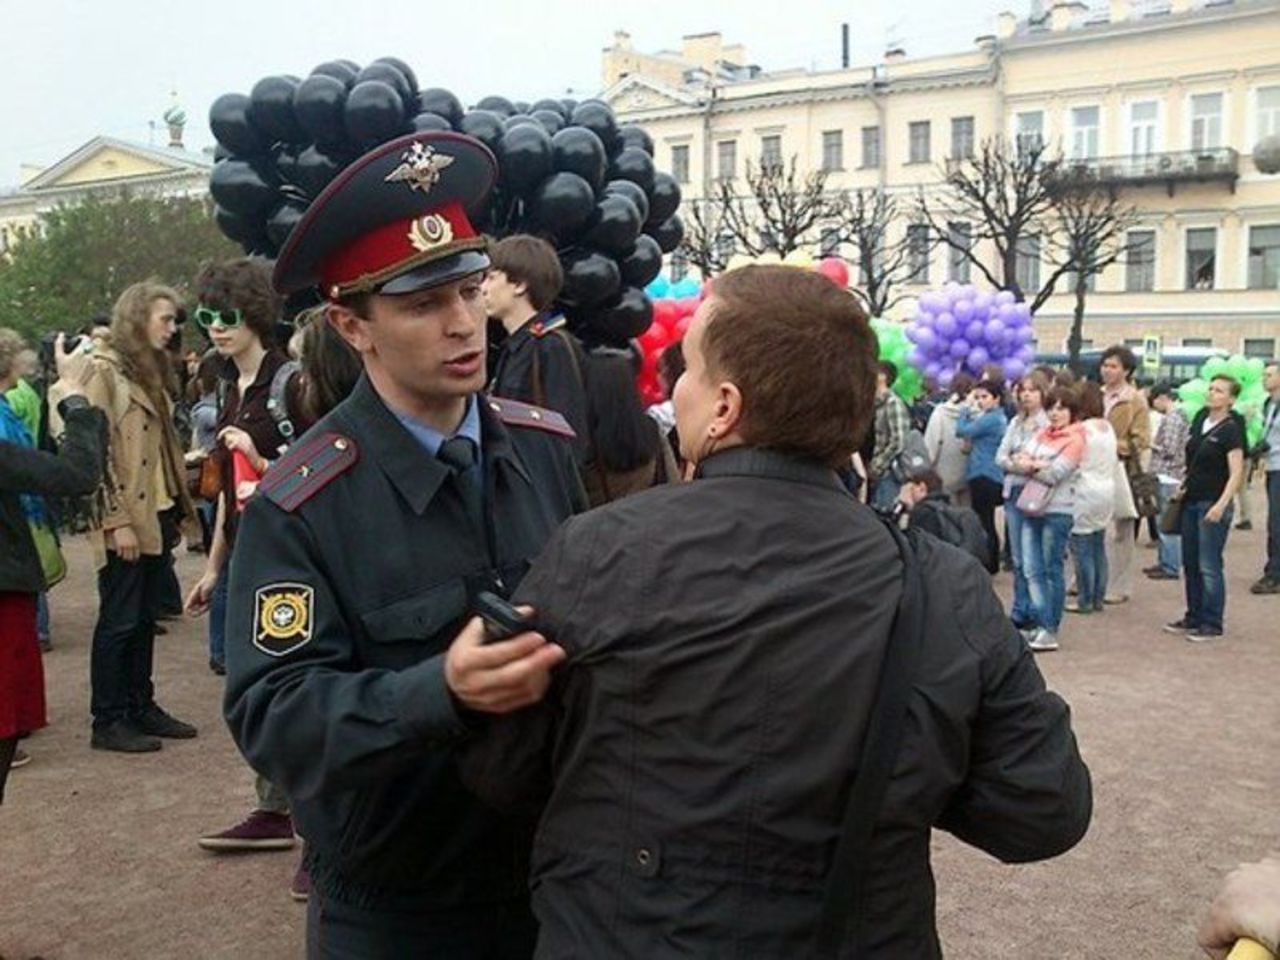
(1248, 905)
(502, 676)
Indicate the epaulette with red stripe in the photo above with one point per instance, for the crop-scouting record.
(516, 414)
(307, 468)
(540, 328)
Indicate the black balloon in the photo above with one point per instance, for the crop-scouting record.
(632, 135)
(485, 126)
(578, 150)
(443, 102)
(590, 278)
(615, 225)
(427, 122)
(220, 153)
(664, 198)
(643, 263)
(338, 69)
(404, 68)
(633, 192)
(551, 120)
(229, 120)
(237, 186)
(555, 106)
(668, 233)
(525, 156)
(374, 112)
(233, 226)
(318, 104)
(271, 109)
(522, 106)
(568, 104)
(635, 165)
(499, 105)
(285, 157)
(599, 119)
(393, 78)
(519, 119)
(283, 219)
(315, 169)
(627, 318)
(351, 65)
(562, 205)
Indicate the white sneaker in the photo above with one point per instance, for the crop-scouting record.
(1043, 641)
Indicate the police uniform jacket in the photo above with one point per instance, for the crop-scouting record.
(541, 363)
(352, 573)
(724, 641)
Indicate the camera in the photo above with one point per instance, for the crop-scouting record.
(47, 344)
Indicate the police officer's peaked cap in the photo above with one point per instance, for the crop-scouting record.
(395, 221)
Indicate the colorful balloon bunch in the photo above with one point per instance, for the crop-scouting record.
(672, 314)
(1246, 371)
(895, 349)
(568, 173)
(962, 328)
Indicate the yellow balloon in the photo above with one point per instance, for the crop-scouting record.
(799, 258)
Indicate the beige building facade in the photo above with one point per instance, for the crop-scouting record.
(1162, 99)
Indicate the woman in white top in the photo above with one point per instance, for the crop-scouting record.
(1094, 504)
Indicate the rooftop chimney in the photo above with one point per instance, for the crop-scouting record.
(176, 119)
(1120, 11)
(844, 46)
(621, 40)
(895, 53)
(1066, 14)
(1006, 25)
(986, 41)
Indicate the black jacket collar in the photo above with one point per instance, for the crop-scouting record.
(757, 462)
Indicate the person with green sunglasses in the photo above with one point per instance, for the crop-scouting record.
(229, 319)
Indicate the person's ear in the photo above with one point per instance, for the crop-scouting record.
(727, 414)
(351, 327)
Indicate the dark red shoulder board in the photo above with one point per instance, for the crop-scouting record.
(541, 328)
(516, 414)
(308, 468)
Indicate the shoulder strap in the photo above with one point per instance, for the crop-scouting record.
(308, 468)
(278, 400)
(513, 413)
(843, 906)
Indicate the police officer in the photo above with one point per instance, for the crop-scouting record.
(353, 663)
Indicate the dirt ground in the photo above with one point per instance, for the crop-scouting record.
(98, 855)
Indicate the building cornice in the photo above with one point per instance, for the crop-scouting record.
(1240, 10)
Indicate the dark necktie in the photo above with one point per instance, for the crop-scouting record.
(459, 454)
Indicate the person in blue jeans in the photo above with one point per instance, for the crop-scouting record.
(982, 424)
(1052, 458)
(1030, 393)
(1169, 464)
(1215, 471)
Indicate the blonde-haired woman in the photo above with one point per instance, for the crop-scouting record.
(130, 384)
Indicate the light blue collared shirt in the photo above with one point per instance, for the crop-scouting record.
(432, 439)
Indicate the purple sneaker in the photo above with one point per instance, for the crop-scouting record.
(261, 830)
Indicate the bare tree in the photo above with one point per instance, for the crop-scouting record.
(862, 219)
(1005, 194)
(779, 210)
(1090, 234)
(703, 229)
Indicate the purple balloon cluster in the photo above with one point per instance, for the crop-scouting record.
(961, 328)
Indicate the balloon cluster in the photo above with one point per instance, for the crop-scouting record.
(673, 307)
(568, 173)
(895, 349)
(961, 328)
(1246, 371)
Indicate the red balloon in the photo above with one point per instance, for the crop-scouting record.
(835, 270)
(682, 327)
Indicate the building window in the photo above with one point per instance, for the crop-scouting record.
(727, 159)
(1030, 131)
(832, 150)
(1143, 118)
(1268, 112)
(870, 147)
(961, 138)
(1140, 262)
(829, 242)
(679, 266)
(1202, 342)
(1027, 269)
(771, 153)
(1084, 133)
(876, 264)
(919, 133)
(957, 263)
(918, 253)
(680, 163)
(1136, 344)
(1264, 258)
(1202, 246)
(1206, 121)
(1262, 347)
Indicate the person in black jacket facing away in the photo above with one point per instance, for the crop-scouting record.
(26, 474)
(694, 757)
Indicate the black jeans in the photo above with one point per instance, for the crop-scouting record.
(987, 494)
(129, 598)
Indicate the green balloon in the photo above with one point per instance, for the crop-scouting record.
(894, 348)
(1247, 372)
(1192, 394)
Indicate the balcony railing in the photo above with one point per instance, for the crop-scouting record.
(1219, 164)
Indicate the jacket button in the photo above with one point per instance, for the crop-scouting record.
(644, 857)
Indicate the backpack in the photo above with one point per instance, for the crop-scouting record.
(914, 458)
(958, 526)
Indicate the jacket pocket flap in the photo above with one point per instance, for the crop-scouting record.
(418, 617)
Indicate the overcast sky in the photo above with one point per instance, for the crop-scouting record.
(78, 68)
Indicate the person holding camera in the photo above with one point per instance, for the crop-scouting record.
(26, 476)
(1268, 449)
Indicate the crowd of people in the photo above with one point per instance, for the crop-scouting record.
(640, 752)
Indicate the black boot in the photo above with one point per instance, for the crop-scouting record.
(122, 737)
(154, 721)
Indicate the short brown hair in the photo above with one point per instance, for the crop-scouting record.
(533, 262)
(1066, 397)
(1127, 358)
(1228, 379)
(242, 284)
(802, 353)
(11, 344)
(1092, 405)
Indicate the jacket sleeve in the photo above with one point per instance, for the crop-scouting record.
(74, 470)
(1004, 453)
(1027, 795)
(312, 719)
